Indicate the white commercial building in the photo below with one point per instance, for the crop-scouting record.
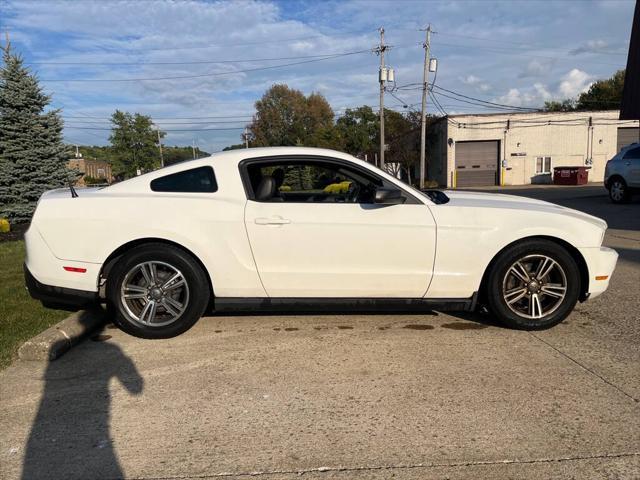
(523, 148)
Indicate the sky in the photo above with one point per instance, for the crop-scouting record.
(197, 67)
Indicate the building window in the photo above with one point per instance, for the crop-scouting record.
(543, 165)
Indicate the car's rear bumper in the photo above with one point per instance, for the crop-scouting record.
(58, 297)
(601, 262)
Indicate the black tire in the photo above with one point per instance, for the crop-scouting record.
(195, 301)
(532, 251)
(618, 190)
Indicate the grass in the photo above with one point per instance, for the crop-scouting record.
(21, 317)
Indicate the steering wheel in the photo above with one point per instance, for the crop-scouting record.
(352, 193)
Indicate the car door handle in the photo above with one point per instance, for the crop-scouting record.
(272, 221)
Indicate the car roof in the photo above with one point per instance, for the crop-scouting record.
(227, 157)
(631, 145)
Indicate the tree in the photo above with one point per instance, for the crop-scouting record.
(602, 95)
(33, 158)
(177, 154)
(567, 105)
(235, 146)
(134, 144)
(284, 116)
(359, 130)
(403, 138)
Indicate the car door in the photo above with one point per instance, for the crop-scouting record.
(315, 231)
(631, 162)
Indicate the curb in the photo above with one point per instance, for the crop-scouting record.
(58, 339)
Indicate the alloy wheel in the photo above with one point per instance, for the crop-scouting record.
(617, 191)
(534, 286)
(154, 293)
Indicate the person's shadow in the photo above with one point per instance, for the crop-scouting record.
(70, 437)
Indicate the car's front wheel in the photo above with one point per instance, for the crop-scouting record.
(157, 291)
(618, 191)
(533, 285)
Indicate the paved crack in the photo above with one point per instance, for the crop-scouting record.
(301, 472)
(623, 237)
(584, 367)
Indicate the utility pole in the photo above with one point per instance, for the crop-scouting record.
(383, 75)
(193, 148)
(425, 78)
(160, 147)
(246, 137)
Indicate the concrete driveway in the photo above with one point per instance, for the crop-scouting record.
(345, 397)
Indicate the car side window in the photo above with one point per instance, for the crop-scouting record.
(311, 181)
(632, 154)
(195, 180)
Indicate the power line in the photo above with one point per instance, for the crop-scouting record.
(519, 44)
(524, 53)
(240, 117)
(477, 104)
(166, 130)
(213, 62)
(102, 122)
(484, 101)
(182, 77)
(229, 45)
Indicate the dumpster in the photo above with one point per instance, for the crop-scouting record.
(570, 175)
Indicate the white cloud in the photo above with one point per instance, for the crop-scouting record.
(574, 83)
(476, 83)
(542, 91)
(570, 85)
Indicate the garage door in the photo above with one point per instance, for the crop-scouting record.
(627, 135)
(477, 163)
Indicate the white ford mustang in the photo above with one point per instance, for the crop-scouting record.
(306, 229)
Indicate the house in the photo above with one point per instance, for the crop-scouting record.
(93, 171)
(523, 148)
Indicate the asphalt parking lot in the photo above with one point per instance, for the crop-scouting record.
(347, 397)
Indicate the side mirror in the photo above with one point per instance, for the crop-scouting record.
(389, 196)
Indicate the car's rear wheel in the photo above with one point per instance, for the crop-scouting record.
(157, 291)
(533, 285)
(618, 191)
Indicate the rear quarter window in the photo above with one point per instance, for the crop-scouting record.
(196, 180)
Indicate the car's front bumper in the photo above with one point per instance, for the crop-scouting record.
(601, 262)
(58, 297)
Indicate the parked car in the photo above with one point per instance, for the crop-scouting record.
(222, 233)
(622, 174)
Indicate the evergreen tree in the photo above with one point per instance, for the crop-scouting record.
(33, 158)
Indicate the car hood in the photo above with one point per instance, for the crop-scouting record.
(513, 202)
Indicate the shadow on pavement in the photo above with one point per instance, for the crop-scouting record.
(628, 254)
(70, 437)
